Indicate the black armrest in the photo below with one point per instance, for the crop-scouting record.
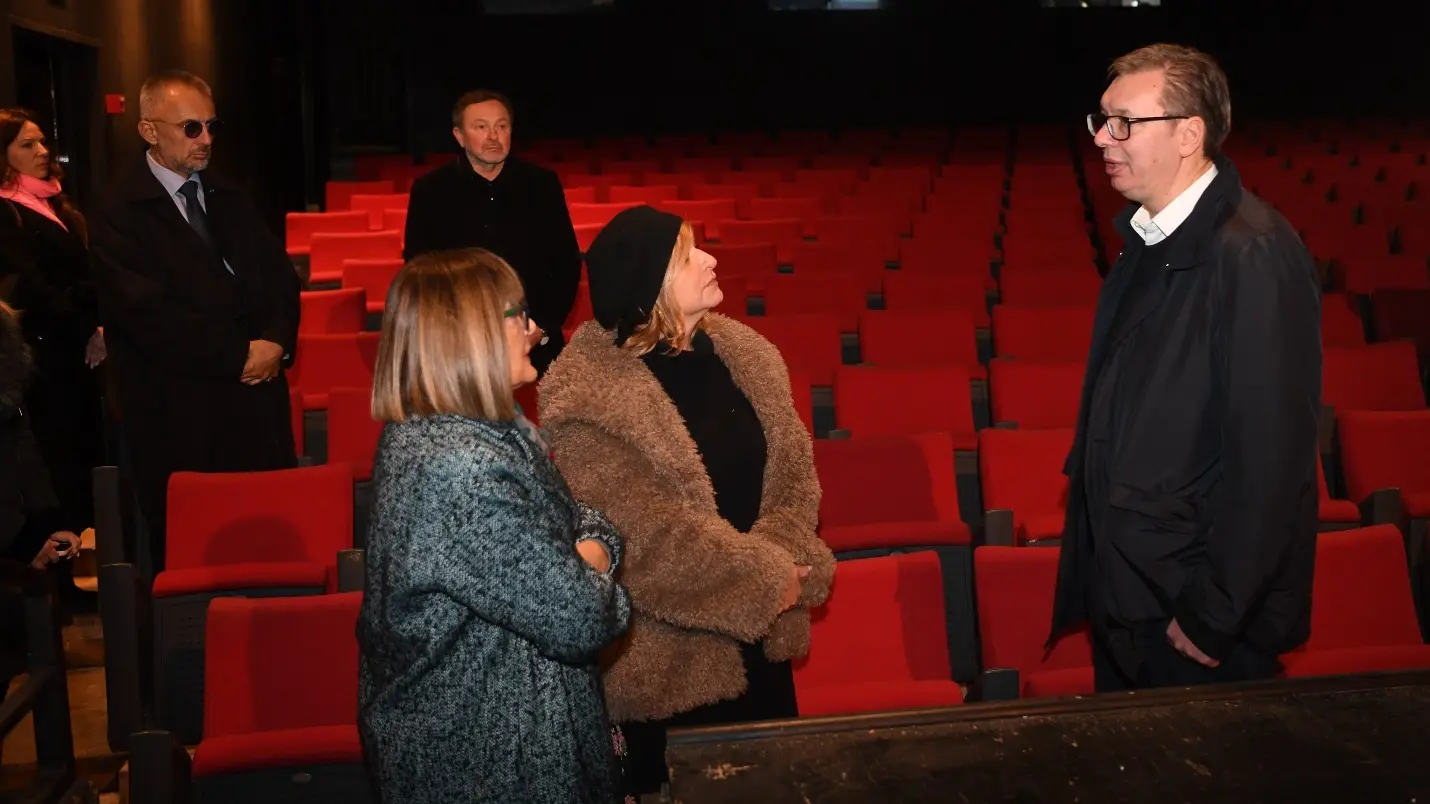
(124, 616)
(108, 515)
(352, 570)
(837, 433)
(998, 684)
(1005, 425)
(998, 528)
(305, 461)
(158, 769)
(1384, 507)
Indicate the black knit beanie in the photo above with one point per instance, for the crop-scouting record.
(626, 266)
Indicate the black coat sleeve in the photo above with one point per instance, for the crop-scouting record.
(424, 225)
(134, 301)
(1267, 352)
(282, 287)
(41, 506)
(562, 256)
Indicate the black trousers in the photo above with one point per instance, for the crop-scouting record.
(770, 696)
(1162, 666)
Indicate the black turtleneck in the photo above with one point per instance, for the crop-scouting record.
(722, 423)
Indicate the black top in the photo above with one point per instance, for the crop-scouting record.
(520, 216)
(723, 424)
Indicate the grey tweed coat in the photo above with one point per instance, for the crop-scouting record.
(481, 624)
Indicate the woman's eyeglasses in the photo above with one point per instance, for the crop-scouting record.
(521, 310)
(193, 128)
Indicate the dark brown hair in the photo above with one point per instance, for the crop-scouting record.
(11, 122)
(1195, 86)
(479, 96)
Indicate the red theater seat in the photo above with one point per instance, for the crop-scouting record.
(888, 492)
(254, 534)
(1362, 611)
(880, 641)
(281, 701)
(1015, 587)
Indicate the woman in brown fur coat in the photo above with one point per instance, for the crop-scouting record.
(678, 423)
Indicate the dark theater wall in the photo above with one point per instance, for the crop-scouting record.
(246, 49)
(392, 71)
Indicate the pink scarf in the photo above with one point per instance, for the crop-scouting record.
(33, 192)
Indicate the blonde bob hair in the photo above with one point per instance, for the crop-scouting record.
(443, 347)
(666, 328)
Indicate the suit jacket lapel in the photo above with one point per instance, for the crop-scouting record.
(142, 187)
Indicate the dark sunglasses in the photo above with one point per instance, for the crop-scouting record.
(193, 128)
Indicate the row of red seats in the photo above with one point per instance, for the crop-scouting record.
(282, 673)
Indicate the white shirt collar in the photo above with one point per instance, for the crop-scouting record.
(171, 180)
(1156, 229)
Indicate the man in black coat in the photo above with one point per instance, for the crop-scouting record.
(200, 307)
(1191, 520)
(489, 199)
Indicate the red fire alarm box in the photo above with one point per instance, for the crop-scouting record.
(114, 104)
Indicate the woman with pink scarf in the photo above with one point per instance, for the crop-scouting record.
(45, 276)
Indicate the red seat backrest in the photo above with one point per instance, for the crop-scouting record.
(876, 479)
(1022, 470)
(332, 312)
(809, 344)
(1015, 587)
(871, 400)
(1383, 450)
(302, 515)
(352, 432)
(1035, 394)
(918, 338)
(1361, 593)
(1042, 333)
(1381, 376)
(883, 621)
(280, 663)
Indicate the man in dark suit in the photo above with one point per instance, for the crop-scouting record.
(490, 199)
(1190, 538)
(200, 307)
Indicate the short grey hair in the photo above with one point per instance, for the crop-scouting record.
(155, 85)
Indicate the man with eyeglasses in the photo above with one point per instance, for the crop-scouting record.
(1192, 506)
(200, 307)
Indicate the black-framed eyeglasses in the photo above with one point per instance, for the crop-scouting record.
(1120, 127)
(193, 128)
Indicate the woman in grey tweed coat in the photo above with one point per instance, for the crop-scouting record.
(490, 591)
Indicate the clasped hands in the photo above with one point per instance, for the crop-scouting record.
(262, 364)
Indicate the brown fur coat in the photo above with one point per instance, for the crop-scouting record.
(699, 587)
